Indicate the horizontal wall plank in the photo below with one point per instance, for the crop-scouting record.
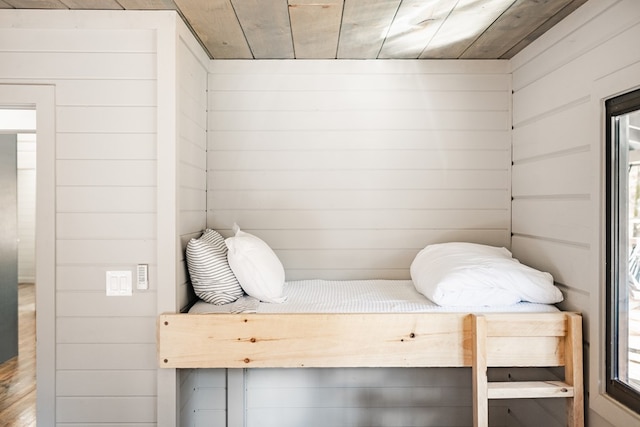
(89, 146)
(355, 180)
(210, 417)
(105, 357)
(101, 199)
(191, 221)
(97, 93)
(105, 251)
(211, 378)
(355, 82)
(193, 112)
(347, 239)
(125, 226)
(193, 154)
(550, 134)
(193, 134)
(98, 304)
(220, 200)
(105, 330)
(108, 409)
(407, 396)
(568, 264)
(366, 120)
(327, 221)
(82, 66)
(380, 259)
(319, 417)
(107, 120)
(67, 40)
(106, 383)
(563, 220)
(193, 176)
(192, 199)
(223, 100)
(210, 398)
(345, 140)
(556, 175)
(122, 173)
(309, 160)
(359, 377)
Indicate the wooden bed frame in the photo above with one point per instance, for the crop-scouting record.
(478, 341)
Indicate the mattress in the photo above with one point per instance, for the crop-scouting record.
(356, 296)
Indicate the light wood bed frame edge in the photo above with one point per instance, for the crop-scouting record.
(300, 340)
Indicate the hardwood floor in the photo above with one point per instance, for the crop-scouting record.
(18, 375)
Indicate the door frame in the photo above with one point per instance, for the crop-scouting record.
(42, 99)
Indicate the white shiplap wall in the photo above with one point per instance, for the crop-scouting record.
(104, 67)
(347, 169)
(559, 85)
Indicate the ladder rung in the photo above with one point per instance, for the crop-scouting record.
(529, 389)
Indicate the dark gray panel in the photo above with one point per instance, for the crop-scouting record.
(8, 248)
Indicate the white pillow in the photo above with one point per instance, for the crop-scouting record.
(256, 266)
(211, 277)
(469, 274)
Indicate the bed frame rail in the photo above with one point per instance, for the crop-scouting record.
(388, 340)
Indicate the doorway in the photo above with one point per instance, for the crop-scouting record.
(41, 100)
(17, 267)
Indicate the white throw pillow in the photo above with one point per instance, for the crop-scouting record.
(211, 276)
(469, 274)
(256, 266)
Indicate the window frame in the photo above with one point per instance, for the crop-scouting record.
(615, 107)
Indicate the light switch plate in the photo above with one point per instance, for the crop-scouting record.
(119, 283)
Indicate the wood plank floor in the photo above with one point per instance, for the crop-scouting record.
(18, 375)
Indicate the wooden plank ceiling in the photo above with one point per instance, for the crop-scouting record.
(350, 29)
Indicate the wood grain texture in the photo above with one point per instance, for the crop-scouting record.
(351, 340)
(315, 27)
(267, 29)
(18, 375)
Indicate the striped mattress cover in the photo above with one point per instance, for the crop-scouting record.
(356, 296)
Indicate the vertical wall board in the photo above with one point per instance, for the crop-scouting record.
(560, 82)
(8, 247)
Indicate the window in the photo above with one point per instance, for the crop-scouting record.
(623, 248)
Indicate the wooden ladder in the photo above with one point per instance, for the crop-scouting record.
(571, 388)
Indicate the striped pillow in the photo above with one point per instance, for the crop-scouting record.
(211, 277)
